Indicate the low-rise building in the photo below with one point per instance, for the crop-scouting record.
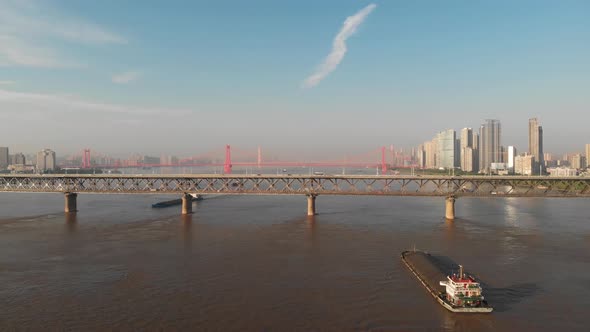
(21, 168)
(498, 168)
(562, 171)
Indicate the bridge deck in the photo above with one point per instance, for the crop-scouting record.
(294, 184)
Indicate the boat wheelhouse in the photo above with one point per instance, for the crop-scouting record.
(462, 290)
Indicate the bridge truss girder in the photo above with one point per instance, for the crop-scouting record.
(477, 186)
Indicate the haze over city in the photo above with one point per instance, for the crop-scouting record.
(294, 165)
(306, 78)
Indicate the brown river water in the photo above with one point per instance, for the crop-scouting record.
(257, 263)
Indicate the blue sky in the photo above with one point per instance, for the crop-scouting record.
(189, 76)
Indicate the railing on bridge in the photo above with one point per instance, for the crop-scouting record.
(385, 185)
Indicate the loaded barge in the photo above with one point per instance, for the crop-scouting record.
(173, 202)
(462, 292)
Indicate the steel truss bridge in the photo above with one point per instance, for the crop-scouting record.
(378, 185)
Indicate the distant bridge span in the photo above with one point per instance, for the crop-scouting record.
(310, 185)
(366, 160)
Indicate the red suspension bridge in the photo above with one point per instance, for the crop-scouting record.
(372, 159)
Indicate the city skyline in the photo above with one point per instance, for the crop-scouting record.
(179, 77)
(456, 154)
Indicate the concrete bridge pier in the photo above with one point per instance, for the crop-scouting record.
(450, 207)
(70, 200)
(187, 203)
(311, 204)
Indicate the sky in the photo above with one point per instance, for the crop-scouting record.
(301, 78)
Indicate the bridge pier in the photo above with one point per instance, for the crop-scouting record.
(70, 200)
(450, 207)
(187, 203)
(311, 204)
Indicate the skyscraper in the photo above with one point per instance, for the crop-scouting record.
(536, 144)
(446, 149)
(466, 142)
(489, 149)
(587, 155)
(475, 142)
(4, 161)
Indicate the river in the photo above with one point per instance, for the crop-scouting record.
(258, 263)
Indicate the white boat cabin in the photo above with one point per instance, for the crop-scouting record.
(462, 290)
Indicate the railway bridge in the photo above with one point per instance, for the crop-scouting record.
(311, 186)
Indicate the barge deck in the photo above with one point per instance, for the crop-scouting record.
(429, 273)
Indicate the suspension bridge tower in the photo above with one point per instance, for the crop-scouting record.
(227, 164)
(383, 163)
(86, 159)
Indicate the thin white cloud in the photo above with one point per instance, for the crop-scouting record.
(338, 47)
(7, 82)
(17, 52)
(125, 77)
(29, 31)
(49, 105)
(19, 19)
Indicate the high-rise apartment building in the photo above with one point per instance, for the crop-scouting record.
(511, 155)
(587, 155)
(446, 146)
(430, 153)
(4, 158)
(489, 147)
(18, 159)
(536, 143)
(466, 137)
(421, 156)
(45, 160)
(524, 165)
(466, 141)
(468, 155)
(469, 150)
(578, 161)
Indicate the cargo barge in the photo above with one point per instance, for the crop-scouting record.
(462, 292)
(174, 202)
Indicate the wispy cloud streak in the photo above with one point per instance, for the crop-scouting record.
(338, 47)
(50, 105)
(126, 77)
(15, 51)
(29, 32)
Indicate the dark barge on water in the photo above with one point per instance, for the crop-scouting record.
(462, 292)
(174, 202)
